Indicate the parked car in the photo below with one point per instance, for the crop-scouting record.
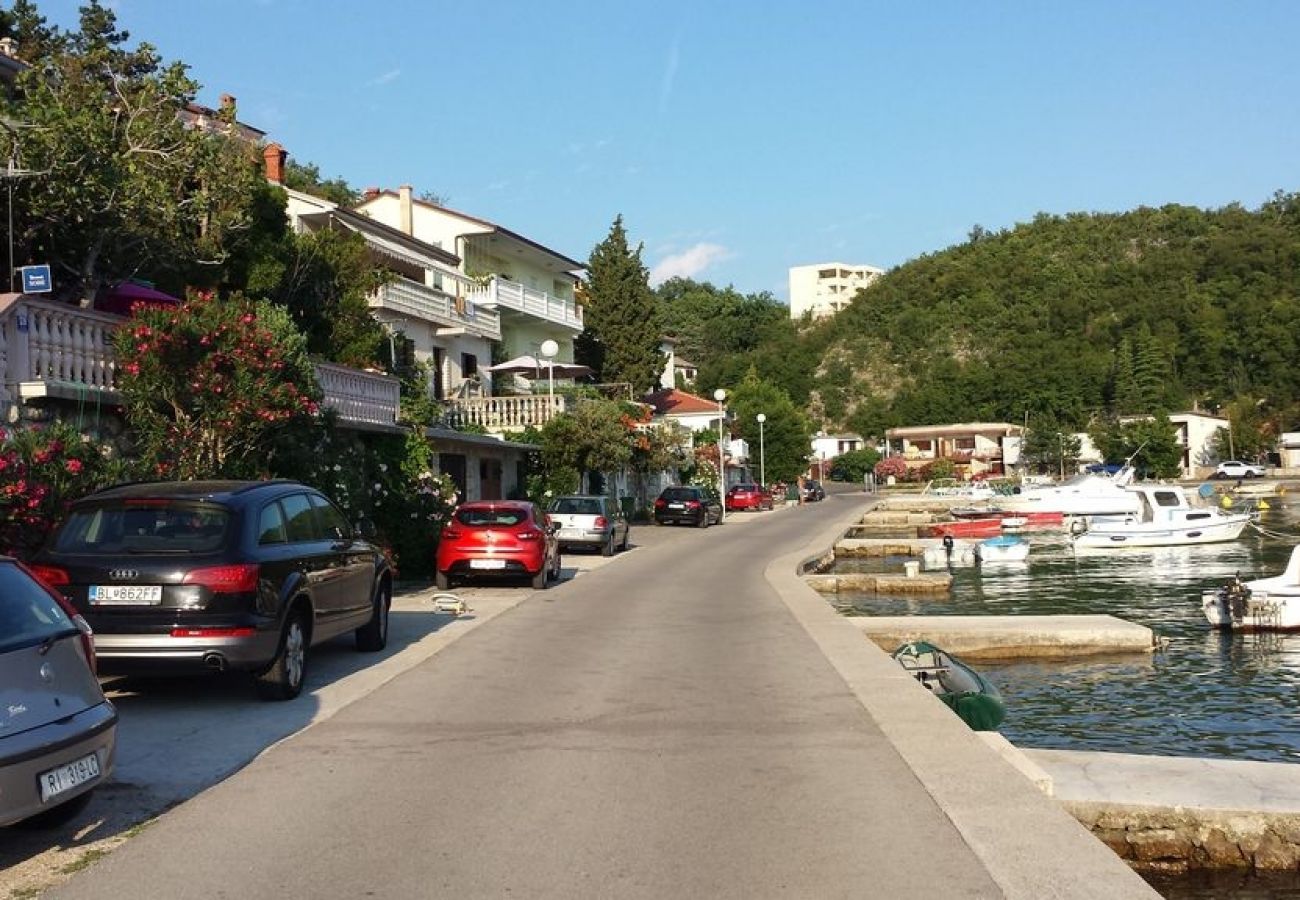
(57, 732)
(498, 538)
(586, 520)
(813, 490)
(1235, 469)
(748, 496)
(238, 575)
(687, 506)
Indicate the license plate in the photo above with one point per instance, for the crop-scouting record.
(570, 533)
(676, 505)
(487, 563)
(125, 595)
(65, 778)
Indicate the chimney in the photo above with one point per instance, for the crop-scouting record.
(404, 206)
(228, 103)
(370, 193)
(274, 155)
(9, 47)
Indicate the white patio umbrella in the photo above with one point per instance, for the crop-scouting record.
(532, 365)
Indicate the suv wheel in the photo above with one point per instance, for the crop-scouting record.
(373, 636)
(283, 680)
(1250, 474)
(608, 548)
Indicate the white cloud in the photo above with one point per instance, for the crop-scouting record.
(670, 75)
(689, 263)
(388, 77)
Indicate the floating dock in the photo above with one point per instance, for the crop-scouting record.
(1011, 637)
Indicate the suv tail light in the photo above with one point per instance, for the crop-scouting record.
(601, 522)
(528, 535)
(238, 579)
(660, 503)
(692, 504)
(50, 576)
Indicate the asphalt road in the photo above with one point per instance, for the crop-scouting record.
(658, 727)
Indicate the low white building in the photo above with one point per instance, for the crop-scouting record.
(823, 289)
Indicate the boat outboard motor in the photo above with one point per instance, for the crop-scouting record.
(1235, 598)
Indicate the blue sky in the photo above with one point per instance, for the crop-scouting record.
(740, 138)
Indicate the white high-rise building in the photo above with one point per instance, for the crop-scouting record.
(825, 288)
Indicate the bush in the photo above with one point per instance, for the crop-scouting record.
(891, 465)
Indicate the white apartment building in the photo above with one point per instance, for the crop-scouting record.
(825, 288)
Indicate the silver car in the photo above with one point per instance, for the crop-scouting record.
(57, 730)
(586, 520)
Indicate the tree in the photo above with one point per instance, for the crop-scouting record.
(306, 177)
(621, 339)
(1151, 443)
(209, 384)
(787, 436)
(852, 466)
(1048, 447)
(123, 186)
(592, 438)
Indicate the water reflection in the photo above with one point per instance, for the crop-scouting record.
(1204, 694)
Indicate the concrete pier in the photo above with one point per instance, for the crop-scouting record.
(1171, 814)
(1007, 637)
(880, 584)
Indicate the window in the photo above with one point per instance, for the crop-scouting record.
(29, 615)
(964, 443)
(1166, 498)
(468, 365)
(333, 523)
(270, 525)
(301, 524)
(144, 526)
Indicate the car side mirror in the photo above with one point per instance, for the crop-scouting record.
(366, 528)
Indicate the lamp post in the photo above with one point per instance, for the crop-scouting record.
(549, 349)
(721, 395)
(762, 459)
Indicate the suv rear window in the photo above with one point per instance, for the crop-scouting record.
(149, 526)
(583, 506)
(681, 493)
(28, 614)
(490, 517)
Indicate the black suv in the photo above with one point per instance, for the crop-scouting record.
(689, 506)
(241, 575)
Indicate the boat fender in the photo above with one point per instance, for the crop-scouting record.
(1078, 526)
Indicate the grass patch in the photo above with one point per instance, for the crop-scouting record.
(84, 861)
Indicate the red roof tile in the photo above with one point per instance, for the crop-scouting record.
(672, 402)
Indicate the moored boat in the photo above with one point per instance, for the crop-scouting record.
(1087, 494)
(965, 691)
(1164, 518)
(1265, 604)
(1004, 548)
(965, 528)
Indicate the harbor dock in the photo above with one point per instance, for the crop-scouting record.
(1010, 637)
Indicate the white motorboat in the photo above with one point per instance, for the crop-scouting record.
(1265, 604)
(1165, 518)
(1087, 494)
(1004, 548)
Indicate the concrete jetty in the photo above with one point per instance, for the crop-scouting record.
(880, 584)
(1007, 637)
(1172, 813)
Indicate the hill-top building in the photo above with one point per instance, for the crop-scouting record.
(824, 289)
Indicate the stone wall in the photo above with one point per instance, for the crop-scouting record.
(1157, 839)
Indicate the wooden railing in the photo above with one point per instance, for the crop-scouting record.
(502, 414)
(512, 295)
(52, 349)
(427, 304)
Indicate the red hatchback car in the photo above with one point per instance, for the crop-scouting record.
(748, 496)
(498, 538)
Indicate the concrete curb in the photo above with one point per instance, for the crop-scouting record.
(1029, 845)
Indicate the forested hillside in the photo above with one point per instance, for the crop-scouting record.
(1071, 316)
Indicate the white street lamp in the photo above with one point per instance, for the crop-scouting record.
(721, 395)
(762, 459)
(549, 349)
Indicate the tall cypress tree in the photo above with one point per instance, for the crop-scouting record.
(621, 340)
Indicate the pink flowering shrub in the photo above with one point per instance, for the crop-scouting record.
(208, 384)
(891, 465)
(42, 470)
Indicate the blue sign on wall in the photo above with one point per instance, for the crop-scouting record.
(36, 280)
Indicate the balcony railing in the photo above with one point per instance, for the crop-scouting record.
(502, 414)
(419, 301)
(54, 350)
(512, 295)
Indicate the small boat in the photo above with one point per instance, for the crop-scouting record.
(965, 528)
(1165, 518)
(1265, 604)
(1031, 519)
(1004, 548)
(1088, 494)
(968, 693)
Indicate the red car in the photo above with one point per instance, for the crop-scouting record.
(748, 496)
(498, 538)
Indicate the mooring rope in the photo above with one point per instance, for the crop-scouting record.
(1276, 535)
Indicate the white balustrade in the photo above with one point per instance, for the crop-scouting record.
(512, 295)
(363, 397)
(505, 413)
(429, 305)
(55, 344)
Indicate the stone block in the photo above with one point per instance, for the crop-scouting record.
(1219, 851)
(1159, 844)
(1275, 854)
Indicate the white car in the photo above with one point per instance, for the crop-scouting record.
(587, 520)
(1234, 469)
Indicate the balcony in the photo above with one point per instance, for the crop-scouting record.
(504, 414)
(504, 294)
(56, 351)
(427, 304)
